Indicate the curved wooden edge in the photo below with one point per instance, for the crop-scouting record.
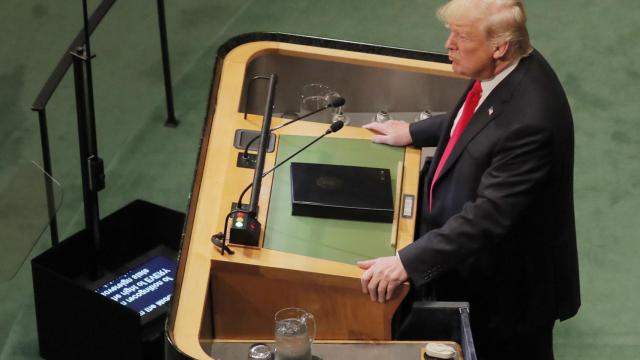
(247, 52)
(320, 42)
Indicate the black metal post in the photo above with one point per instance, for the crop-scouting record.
(46, 162)
(45, 94)
(166, 68)
(264, 142)
(92, 139)
(86, 140)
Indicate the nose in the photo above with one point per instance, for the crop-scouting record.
(450, 43)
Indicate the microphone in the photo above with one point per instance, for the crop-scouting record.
(257, 175)
(335, 102)
(335, 126)
(245, 227)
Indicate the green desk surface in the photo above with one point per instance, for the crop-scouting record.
(338, 240)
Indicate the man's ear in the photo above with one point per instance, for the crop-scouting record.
(500, 51)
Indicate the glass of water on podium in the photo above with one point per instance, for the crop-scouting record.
(314, 97)
(294, 333)
(339, 115)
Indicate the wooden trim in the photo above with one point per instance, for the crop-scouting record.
(396, 207)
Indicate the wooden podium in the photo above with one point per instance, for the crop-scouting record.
(234, 297)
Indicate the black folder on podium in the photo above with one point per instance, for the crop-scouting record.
(341, 192)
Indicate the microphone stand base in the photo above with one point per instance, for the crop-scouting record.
(171, 122)
(247, 162)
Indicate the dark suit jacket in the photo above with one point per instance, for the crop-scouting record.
(501, 233)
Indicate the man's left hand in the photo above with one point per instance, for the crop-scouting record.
(382, 277)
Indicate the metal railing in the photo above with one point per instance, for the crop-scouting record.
(52, 83)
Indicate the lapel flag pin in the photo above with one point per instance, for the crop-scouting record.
(491, 110)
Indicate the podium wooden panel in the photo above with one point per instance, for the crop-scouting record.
(246, 297)
(235, 297)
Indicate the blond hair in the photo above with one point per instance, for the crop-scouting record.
(503, 21)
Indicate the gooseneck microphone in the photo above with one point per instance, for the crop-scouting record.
(335, 103)
(257, 176)
(245, 228)
(335, 127)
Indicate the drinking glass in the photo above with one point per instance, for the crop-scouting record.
(340, 115)
(425, 114)
(314, 97)
(381, 116)
(294, 333)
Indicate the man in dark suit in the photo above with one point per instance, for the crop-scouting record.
(497, 222)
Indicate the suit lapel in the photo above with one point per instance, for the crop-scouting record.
(489, 110)
(446, 134)
(481, 118)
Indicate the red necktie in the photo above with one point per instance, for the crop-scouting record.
(470, 103)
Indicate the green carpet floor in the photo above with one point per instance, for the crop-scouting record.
(592, 45)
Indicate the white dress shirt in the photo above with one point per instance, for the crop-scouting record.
(487, 87)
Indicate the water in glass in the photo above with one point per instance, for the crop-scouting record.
(294, 332)
(292, 340)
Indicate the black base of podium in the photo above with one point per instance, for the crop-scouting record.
(75, 322)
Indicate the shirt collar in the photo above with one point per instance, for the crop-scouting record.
(489, 85)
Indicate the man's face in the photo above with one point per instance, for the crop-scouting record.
(470, 51)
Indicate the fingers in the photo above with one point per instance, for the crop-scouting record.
(366, 276)
(374, 126)
(382, 277)
(373, 289)
(376, 286)
(390, 132)
(371, 285)
(371, 281)
(382, 290)
(365, 264)
(380, 139)
(391, 287)
(364, 282)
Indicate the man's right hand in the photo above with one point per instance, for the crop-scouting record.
(390, 132)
